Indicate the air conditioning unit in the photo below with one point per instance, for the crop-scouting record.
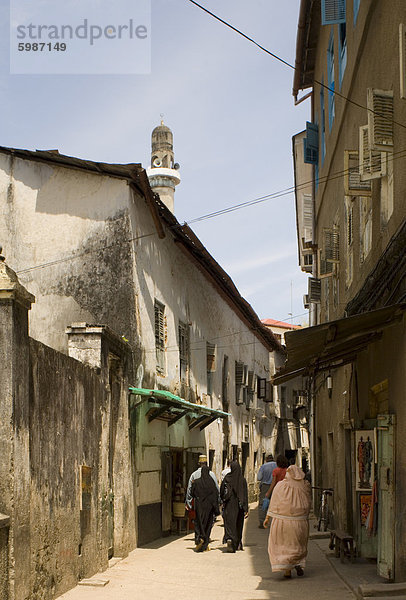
(306, 302)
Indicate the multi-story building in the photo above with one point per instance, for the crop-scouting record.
(89, 470)
(351, 55)
(291, 404)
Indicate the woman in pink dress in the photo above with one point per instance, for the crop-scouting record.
(289, 509)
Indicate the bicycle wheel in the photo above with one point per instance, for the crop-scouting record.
(320, 520)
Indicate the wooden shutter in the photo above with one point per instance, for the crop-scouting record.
(380, 119)
(332, 11)
(314, 289)
(307, 217)
(332, 245)
(402, 59)
(261, 386)
(353, 184)
(350, 223)
(239, 373)
(372, 163)
(326, 267)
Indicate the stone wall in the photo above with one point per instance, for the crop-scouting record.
(65, 457)
(68, 533)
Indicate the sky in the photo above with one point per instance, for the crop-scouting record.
(232, 114)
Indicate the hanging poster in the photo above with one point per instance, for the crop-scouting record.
(365, 507)
(365, 459)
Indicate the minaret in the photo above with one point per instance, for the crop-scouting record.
(163, 173)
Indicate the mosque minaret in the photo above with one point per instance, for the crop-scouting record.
(163, 173)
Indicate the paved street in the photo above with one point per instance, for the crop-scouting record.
(170, 570)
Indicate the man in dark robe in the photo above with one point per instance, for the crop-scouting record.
(206, 497)
(234, 495)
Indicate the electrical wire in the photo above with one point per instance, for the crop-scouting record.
(272, 196)
(285, 62)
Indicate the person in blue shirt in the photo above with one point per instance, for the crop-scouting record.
(265, 479)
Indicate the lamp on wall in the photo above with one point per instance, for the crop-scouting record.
(329, 385)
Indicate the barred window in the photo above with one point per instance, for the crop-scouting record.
(160, 336)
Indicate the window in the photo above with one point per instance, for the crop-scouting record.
(311, 144)
(330, 81)
(342, 49)
(184, 344)
(160, 336)
(332, 11)
(356, 9)
(322, 123)
(211, 366)
(239, 382)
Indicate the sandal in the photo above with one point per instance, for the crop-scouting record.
(287, 574)
(299, 571)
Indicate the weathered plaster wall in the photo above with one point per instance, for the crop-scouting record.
(165, 273)
(78, 222)
(66, 399)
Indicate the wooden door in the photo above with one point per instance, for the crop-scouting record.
(386, 504)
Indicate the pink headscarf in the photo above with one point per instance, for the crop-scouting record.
(291, 497)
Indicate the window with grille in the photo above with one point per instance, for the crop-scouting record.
(184, 343)
(211, 366)
(160, 336)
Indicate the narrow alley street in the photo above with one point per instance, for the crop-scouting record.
(169, 569)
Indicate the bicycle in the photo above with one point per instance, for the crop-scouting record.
(324, 510)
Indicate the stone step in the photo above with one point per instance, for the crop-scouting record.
(382, 590)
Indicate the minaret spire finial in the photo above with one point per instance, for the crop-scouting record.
(162, 118)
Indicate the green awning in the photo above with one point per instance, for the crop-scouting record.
(167, 407)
